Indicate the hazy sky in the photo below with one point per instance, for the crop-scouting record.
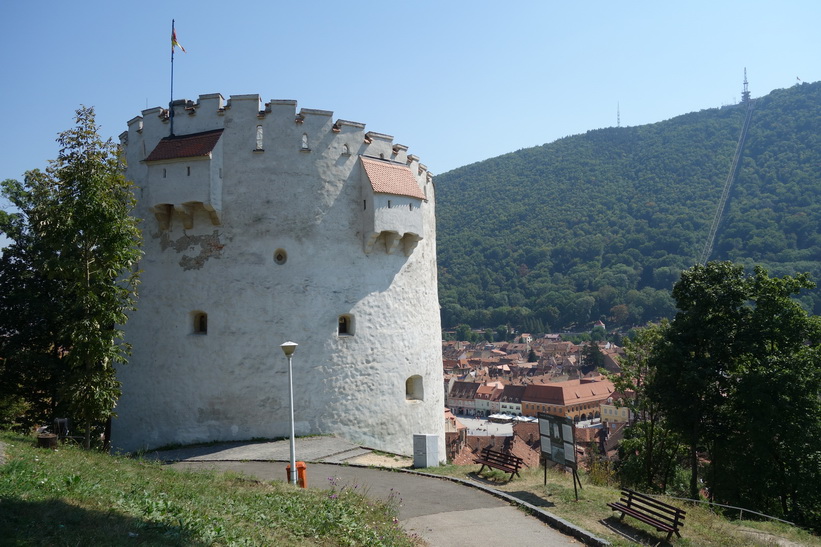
(457, 82)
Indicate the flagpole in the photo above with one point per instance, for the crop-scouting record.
(171, 103)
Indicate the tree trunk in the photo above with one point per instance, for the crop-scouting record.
(664, 466)
(694, 470)
(715, 474)
(87, 440)
(650, 439)
(107, 435)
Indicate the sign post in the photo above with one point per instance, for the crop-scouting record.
(557, 437)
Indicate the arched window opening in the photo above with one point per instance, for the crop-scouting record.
(414, 388)
(345, 325)
(305, 141)
(259, 138)
(200, 322)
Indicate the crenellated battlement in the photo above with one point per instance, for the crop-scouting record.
(219, 145)
(306, 127)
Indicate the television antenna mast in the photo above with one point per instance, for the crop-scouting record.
(745, 95)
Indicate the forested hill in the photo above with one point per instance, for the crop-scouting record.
(599, 225)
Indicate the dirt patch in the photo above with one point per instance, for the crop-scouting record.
(763, 538)
(382, 460)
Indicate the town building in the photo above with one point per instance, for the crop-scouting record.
(578, 399)
(511, 400)
(614, 414)
(461, 397)
(486, 400)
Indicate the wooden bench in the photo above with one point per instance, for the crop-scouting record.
(502, 461)
(663, 517)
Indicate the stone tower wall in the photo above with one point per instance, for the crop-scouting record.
(274, 235)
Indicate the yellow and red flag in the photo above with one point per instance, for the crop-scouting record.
(174, 42)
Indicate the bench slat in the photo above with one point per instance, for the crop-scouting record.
(663, 517)
(655, 510)
(642, 517)
(491, 464)
(499, 460)
(651, 503)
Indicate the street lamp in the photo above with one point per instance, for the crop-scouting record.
(288, 349)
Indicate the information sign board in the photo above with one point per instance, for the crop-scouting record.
(558, 439)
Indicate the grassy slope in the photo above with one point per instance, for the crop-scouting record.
(72, 497)
(702, 527)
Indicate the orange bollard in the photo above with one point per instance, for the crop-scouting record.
(301, 474)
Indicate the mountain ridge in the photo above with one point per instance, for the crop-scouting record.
(599, 225)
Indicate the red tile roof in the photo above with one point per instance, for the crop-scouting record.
(464, 390)
(568, 393)
(185, 146)
(484, 392)
(391, 178)
(513, 394)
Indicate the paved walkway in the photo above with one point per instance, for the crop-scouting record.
(442, 512)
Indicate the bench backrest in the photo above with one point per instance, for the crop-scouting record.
(504, 458)
(652, 506)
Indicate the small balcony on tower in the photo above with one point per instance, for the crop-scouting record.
(392, 207)
(185, 175)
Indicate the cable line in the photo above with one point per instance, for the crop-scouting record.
(708, 246)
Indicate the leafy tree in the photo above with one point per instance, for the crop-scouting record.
(619, 314)
(774, 446)
(650, 453)
(464, 333)
(73, 257)
(30, 341)
(577, 338)
(738, 375)
(696, 361)
(592, 354)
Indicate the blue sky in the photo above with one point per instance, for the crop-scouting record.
(457, 82)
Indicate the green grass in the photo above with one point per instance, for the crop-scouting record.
(701, 526)
(73, 497)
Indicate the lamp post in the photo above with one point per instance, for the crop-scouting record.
(288, 349)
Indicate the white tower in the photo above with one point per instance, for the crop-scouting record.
(263, 225)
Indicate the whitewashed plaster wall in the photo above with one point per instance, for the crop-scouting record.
(232, 383)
